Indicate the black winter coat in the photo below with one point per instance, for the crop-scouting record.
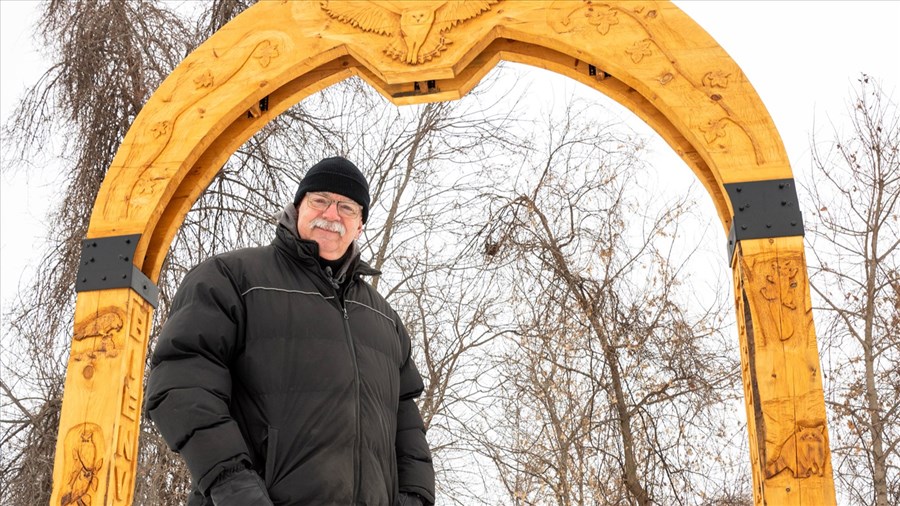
(263, 360)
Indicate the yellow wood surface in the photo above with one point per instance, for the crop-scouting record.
(648, 56)
(96, 452)
(782, 377)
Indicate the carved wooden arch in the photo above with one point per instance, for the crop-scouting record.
(647, 55)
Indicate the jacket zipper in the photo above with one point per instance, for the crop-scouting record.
(357, 449)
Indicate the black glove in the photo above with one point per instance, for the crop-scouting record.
(242, 487)
(410, 500)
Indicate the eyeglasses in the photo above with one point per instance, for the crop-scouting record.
(346, 209)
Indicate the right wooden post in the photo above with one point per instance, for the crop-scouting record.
(782, 379)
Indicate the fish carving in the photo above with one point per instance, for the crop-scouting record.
(416, 28)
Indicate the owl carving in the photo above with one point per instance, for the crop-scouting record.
(416, 28)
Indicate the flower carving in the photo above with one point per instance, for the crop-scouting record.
(713, 130)
(602, 19)
(160, 129)
(204, 81)
(265, 52)
(639, 50)
(143, 187)
(716, 79)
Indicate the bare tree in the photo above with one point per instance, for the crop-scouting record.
(855, 235)
(612, 381)
(108, 57)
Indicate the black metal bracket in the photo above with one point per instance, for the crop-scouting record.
(108, 262)
(763, 209)
(430, 86)
(596, 73)
(419, 88)
(257, 109)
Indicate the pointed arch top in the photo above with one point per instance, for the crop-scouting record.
(649, 56)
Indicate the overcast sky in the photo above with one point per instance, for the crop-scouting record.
(801, 56)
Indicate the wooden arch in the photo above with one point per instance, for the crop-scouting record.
(647, 55)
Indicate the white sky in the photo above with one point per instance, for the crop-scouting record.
(802, 57)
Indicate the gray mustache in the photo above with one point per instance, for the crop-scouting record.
(331, 226)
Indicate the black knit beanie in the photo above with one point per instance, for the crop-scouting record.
(336, 175)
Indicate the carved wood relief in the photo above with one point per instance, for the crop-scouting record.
(774, 287)
(128, 425)
(793, 444)
(802, 453)
(201, 79)
(780, 362)
(417, 30)
(643, 49)
(110, 340)
(84, 447)
(716, 79)
(97, 338)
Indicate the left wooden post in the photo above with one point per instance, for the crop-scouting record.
(97, 444)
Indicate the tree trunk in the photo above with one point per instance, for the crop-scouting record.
(876, 425)
(632, 480)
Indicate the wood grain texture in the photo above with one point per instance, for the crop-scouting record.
(96, 451)
(649, 56)
(782, 377)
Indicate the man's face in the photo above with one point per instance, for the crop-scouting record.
(323, 216)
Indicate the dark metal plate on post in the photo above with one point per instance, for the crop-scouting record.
(763, 209)
(108, 262)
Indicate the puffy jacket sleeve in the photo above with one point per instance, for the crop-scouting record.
(414, 466)
(189, 387)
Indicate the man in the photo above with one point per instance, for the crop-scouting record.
(282, 377)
